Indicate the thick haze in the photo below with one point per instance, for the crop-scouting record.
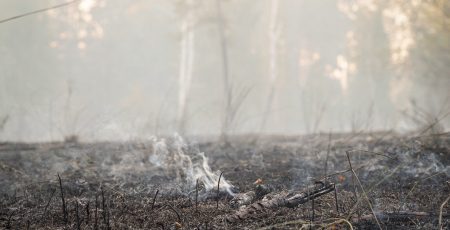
(118, 70)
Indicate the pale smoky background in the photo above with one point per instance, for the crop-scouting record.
(124, 70)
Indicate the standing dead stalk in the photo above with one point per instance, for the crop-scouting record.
(353, 176)
(64, 209)
(312, 207)
(364, 192)
(336, 200)
(328, 154)
(88, 216)
(196, 196)
(8, 224)
(218, 190)
(440, 212)
(176, 212)
(48, 203)
(105, 214)
(96, 213)
(154, 198)
(77, 216)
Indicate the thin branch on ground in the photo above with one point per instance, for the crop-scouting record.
(441, 211)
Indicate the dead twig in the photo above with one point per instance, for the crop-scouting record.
(175, 211)
(335, 199)
(282, 200)
(154, 198)
(328, 154)
(325, 224)
(77, 215)
(8, 224)
(218, 190)
(441, 211)
(398, 216)
(364, 192)
(196, 196)
(88, 215)
(421, 180)
(312, 207)
(96, 213)
(104, 213)
(341, 172)
(48, 203)
(355, 194)
(64, 209)
(352, 210)
(376, 153)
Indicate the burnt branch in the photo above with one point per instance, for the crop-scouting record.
(283, 200)
(64, 208)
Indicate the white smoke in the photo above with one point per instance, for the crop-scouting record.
(176, 160)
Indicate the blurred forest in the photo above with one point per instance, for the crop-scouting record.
(119, 70)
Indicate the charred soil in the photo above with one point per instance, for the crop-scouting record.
(404, 182)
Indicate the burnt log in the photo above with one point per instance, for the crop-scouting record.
(283, 199)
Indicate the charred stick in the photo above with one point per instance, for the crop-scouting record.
(441, 208)
(48, 203)
(64, 209)
(401, 216)
(103, 206)
(77, 216)
(196, 196)
(303, 197)
(353, 177)
(8, 224)
(105, 211)
(96, 213)
(283, 201)
(312, 204)
(176, 212)
(328, 153)
(154, 198)
(335, 199)
(88, 216)
(108, 206)
(218, 190)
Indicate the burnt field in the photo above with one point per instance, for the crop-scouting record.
(274, 182)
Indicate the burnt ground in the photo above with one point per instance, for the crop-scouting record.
(115, 185)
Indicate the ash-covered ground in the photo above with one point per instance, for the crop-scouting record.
(171, 183)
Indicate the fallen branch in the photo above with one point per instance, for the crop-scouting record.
(400, 216)
(282, 200)
(323, 224)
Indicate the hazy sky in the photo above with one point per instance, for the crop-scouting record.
(110, 69)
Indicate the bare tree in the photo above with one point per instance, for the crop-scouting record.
(274, 37)
(226, 81)
(187, 51)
